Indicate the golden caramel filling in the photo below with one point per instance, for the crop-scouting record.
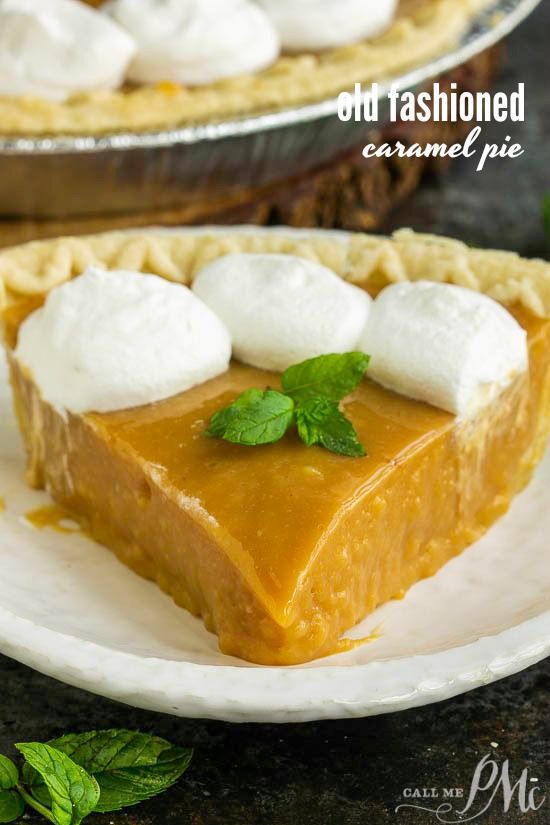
(275, 501)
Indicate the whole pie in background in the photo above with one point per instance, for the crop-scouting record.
(120, 68)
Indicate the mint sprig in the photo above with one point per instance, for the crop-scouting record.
(327, 376)
(73, 792)
(101, 771)
(129, 767)
(311, 393)
(12, 806)
(9, 775)
(320, 422)
(255, 418)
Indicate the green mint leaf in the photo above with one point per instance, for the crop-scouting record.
(129, 767)
(328, 376)
(12, 806)
(9, 775)
(220, 421)
(320, 422)
(546, 214)
(73, 792)
(39, 792)
(255, 418)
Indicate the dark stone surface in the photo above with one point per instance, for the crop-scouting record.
(354, 772)
(329, 773)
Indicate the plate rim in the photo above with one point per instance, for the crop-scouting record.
(80, 662)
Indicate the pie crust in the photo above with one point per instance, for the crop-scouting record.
(282, 549)
(422, 30)
(34, 268)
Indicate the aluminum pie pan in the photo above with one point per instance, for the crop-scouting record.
(70, 176)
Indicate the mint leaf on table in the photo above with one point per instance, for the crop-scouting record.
(320, 422)
(255, 418)
(73, 792)
(12, 806)
(129, 767)
(327, 376)
(68, 778)
(9, 775)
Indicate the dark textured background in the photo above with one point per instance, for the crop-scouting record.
(354, 772)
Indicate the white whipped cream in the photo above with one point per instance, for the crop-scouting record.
(195, 42)
(282, 309)
(55, 48)
(449, 346)
(112, 340)
(314, 25)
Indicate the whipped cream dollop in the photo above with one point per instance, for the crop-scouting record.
(55, 48)
(449, 346)
(315, 25)
(195, 42)
(113, 340)
(282, 309)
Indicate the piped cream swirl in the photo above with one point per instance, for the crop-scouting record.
(196, 42)
(54, 49)
(447, 345)
(316, 25)
(281, 309)
(112, 340)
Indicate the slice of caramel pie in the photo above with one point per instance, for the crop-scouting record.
(73, 67)
(281, 548)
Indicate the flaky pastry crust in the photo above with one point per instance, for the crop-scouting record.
(370, 261)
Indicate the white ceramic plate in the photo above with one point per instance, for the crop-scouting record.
(70, 610)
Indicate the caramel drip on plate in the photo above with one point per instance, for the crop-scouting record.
(344, 645)
(54, 517)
